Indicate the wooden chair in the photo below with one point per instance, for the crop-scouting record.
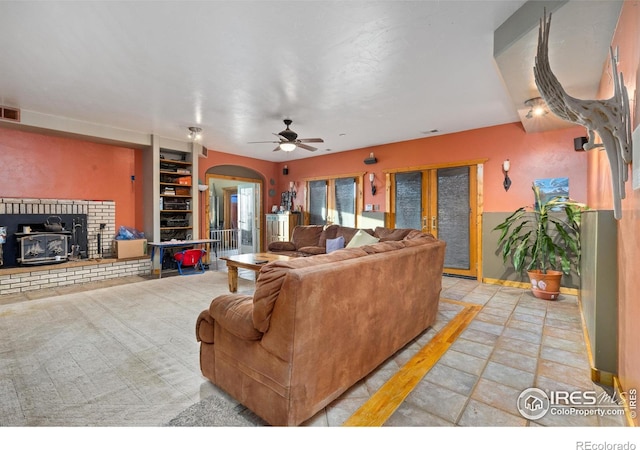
(190, 258)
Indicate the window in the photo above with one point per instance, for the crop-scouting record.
(335, 200)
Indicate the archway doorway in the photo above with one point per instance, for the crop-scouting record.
(233, 208)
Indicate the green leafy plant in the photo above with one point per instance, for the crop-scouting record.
(538, 238)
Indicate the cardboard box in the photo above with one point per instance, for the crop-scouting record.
(130, 248)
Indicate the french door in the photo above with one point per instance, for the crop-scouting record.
(442, 201)
(334, 200)
(248, 218)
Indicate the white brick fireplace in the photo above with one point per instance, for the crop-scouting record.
(98, 263)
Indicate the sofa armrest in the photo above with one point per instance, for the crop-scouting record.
(204, 327)
(234, 313)
(280, 246)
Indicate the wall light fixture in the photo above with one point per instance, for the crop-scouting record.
(506, 166)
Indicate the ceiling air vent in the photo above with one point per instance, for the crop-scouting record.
(7, 113)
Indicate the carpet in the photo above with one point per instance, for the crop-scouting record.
(453, 317)
(215, 411)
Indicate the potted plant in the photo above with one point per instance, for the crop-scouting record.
(545, 243)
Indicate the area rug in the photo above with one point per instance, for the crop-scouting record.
(453, 317)
(215, 411)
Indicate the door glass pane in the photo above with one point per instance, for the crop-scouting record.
(453, 215)
(408, 200)
(317, 202)
(345, 202)
(246, 215)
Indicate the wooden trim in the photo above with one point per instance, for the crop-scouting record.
(382, 404)
(525, 285)
(479, 214)
(333, 177)
(227, 177)
(631, 416)
(472, 162)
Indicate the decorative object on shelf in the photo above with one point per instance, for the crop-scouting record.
(537, 108)
(539, 241)
(372, 178)
(371, 159)
(609, 118)
(506, 166)
(285, 170)
(292, 188)
(286, 202)
(195, 133)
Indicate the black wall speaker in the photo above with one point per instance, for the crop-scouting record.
(578, 143)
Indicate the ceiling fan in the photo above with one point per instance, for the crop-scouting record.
(289, 140)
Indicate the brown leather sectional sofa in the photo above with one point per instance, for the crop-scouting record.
(317, 325)
(312, 239)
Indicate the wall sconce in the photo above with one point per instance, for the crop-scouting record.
(285, 170)
(537, 107)
(506, 166)
(372, 177)
(371, 159)
(195, 133)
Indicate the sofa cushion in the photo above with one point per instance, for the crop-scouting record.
(335, 244)
(361, 238)
(348, 233)
(306, 236)
(280, 246)
(383, 246)
(272, 277)
(234, 313)
(391, 234)
(329, 232)
(312, 250)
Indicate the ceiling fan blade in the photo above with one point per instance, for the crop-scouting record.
(311, 140)
(306, 147)
(264, 142)
(277, 149)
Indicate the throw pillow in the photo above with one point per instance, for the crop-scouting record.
(335, 244)
(361, 238)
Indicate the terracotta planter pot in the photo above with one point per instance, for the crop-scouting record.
(545, 285)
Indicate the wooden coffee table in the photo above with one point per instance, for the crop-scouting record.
(250, 261)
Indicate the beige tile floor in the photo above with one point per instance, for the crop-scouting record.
(125, 354)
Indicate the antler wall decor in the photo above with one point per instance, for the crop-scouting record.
(610, 118)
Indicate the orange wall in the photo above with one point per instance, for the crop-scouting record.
(532, 156)
(40, 166)
(626, 38)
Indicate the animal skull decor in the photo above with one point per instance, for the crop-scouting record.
(610, 118)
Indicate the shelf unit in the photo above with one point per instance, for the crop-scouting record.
(170, 213)
(176, 196)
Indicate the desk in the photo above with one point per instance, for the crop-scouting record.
(166, 244)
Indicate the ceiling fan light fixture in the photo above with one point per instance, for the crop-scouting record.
(287, 146)
(195, 133)
(537, 107)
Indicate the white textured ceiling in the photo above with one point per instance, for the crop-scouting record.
(354, 73)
